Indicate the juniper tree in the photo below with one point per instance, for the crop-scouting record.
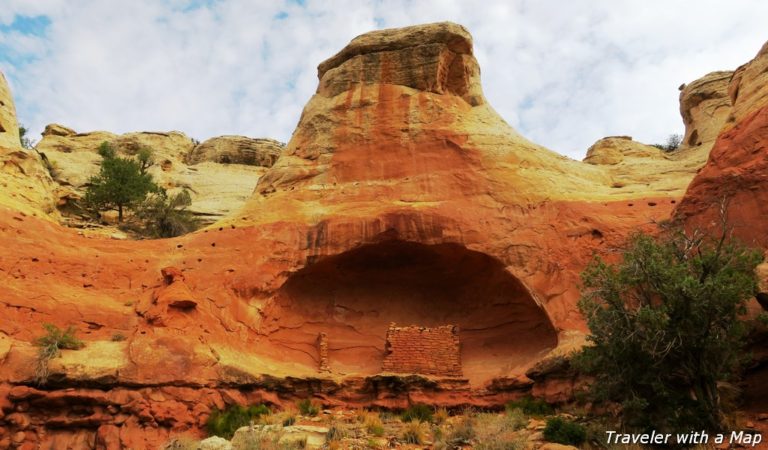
(665, 328)
(121, 183)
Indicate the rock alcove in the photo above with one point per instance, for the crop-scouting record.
(355, 296)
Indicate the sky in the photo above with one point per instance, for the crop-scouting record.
(564, 73)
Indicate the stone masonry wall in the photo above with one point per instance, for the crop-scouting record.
(421, 350)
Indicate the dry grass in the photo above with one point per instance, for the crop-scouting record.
(415, 433)
(373, 424)
(441, 415)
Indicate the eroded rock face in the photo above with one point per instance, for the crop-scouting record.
(747, 88)
(705, 106)
(633, 167)
(24, 179)
(237, 150)
(9, 126)
(737, 169)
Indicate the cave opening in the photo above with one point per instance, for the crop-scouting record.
(355, 296)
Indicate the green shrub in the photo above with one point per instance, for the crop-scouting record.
(308, 408)
(166, 215)
(50, 346)
(673, 143)
(419, 412)
(673, 305)
(225, 423)
(530, 406)
(25, 140)
(565, 432)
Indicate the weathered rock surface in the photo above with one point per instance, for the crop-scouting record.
(237, 150)
(24, 180)
(9, 126)
(633, 167)
(747, 88)
(705, 106)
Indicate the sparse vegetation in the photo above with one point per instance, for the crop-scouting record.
(307, 407)
(166, 215)
(530, 406)
(24, 139)
(415, 433)
(373, 424)
(225, 423)
(464, 432)
(117, 337)
(665, 328)
(336, 432)
(418, 412)
(50, 346)
(672, 144)
(441, 415)
(564, 431)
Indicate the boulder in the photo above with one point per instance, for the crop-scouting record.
(214, 443)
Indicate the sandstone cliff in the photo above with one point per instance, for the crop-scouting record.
(401, 198)
(705, 106)
(217, 189)
(24, 181)
(9, 126)
(737, 169)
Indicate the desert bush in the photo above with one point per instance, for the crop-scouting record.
(166, 215)
(419, 412)
(24, 139)
(307, 407)
(498, 431)
(117, 337)
(671, 305)
(50, 346)
(564, 431)
(672, 144)
(225, 423)
(530, 406)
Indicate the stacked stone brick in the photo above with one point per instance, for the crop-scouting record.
(322, 349)
(421, 350)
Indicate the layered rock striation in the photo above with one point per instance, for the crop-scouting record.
(402, 197)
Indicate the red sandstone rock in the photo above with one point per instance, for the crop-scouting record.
(402, 197)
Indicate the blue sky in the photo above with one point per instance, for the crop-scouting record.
(563, 73)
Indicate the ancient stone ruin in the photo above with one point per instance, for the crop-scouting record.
(422, 350)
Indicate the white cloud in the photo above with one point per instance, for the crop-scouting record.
(564, 73)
